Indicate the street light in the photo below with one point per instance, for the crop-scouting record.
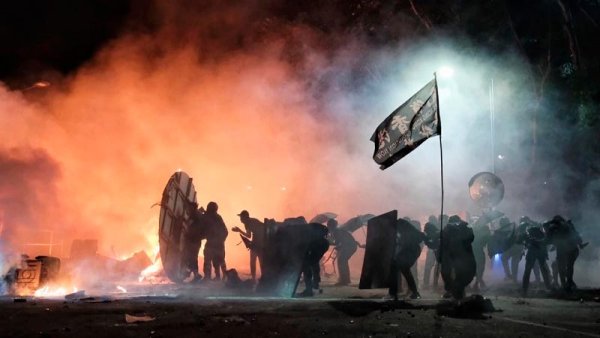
(446, 72)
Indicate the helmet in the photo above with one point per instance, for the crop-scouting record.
(332, 223)
(504, 222)
(455, 219)
(244, 213)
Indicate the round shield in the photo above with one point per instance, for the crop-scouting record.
(486, 189)
(176, 207)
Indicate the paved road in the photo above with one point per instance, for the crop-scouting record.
(190, 311)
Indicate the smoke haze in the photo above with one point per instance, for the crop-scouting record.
(267, 115)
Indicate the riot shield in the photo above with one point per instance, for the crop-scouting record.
(284, 253)
(176, 207)
(379, 252)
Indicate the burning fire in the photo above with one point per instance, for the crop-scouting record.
(49, 292)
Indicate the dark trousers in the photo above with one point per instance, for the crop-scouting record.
(214, 257)
(566, 262)
(190, 256)
(513, 254)
(254, 256)
(431, 263)
(530, 261)
(479, 263)
(343, 267)
(393, 281)
(457, 272)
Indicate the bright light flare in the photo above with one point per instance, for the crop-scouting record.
(446, 72)
(121, 289)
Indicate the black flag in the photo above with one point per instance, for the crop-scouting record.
(408, 126)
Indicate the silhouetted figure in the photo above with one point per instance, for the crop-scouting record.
(406, 253)
(192, 241)
(317, 247)
(512, 254)
(535, 242)
(345, 246)
(432, 232)
(255, 231)
(524, 223)
(567, 241)
(214, 249)
(482, 235)
(458, 261)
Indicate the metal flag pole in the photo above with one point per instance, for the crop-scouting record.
(492, 131)
(437, 97)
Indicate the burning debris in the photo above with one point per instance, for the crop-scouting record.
(33, 275)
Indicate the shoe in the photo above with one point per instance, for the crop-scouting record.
(305, 293)
(447, 295)
(390, 297)
(415, 295)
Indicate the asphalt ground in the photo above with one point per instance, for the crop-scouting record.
(210, 310)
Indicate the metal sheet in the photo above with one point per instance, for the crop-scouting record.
(381, 242)
(285, 249)
(175, 218)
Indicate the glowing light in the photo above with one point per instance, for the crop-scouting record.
(496, 257)
(49, 292)
(122, 289)
(446, 72)
(500, 157)
(150, 271)
(283, 188)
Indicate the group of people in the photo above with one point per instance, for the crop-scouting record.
(459, 258)
(532, 240)
(207, 225)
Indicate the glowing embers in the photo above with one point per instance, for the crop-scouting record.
(154, 274)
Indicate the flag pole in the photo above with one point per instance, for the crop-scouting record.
(437, 97)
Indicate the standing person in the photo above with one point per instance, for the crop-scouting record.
(214, 249)
(431, 261)
(458, 261)
(317, 247)
(567, 241)
(482, 235)
(535, 242)
(406, 253)
(193, 236)
(513, 253)
(346, 246)
(255, 231)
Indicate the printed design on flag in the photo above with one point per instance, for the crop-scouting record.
(407, 127)
(416, 105)
(400, 122)
(384, 137)
(426, 130)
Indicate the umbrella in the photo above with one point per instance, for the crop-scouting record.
(324, 217)
(355, 223)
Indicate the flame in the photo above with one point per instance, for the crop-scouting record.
(49, 292)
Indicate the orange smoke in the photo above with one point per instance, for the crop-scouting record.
(249, 126)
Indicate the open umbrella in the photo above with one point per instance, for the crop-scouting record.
(323, 217)
(355, 223)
